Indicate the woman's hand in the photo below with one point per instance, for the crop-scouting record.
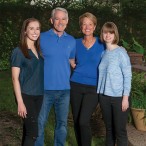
(72, 63)
(125, 103)
(22, 112)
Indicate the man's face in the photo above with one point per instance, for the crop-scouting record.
(59, 21)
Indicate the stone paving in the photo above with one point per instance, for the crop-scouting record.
(135, 137)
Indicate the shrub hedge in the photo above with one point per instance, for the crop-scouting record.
(130, 21)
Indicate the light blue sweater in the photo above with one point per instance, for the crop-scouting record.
(115, 73)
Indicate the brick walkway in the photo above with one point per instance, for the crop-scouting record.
(136, 138)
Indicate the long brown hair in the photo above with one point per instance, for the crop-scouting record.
(23, 42)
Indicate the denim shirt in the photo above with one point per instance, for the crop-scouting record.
(115, 73)
(31, 72)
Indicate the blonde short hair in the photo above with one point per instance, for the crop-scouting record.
(89, 16)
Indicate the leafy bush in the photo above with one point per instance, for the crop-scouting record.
(12, 15)
(138, 91)
(9, 39)
(134, 46)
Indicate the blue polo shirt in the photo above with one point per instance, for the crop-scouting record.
(57, 51)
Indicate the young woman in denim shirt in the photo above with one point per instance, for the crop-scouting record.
(27, 75)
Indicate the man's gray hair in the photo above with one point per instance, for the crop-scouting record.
(59, 9)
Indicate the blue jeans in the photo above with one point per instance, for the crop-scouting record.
(60, 99)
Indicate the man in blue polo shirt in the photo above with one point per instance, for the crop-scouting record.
(58, 49)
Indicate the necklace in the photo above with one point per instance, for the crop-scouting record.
(88, 43)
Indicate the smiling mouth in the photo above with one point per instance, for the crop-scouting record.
(87, 30)
(34, 35)
(60, 25)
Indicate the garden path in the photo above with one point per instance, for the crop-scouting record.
(135, 137)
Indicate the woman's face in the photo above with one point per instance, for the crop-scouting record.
(87, 27)
(108, 37)
(32, 31)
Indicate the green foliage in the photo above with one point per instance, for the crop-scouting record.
(133, 13)
(7, 99)
(134, 46)
(98, 141)
(137, 47)
(126, 45)
(8, 38)
(138, 91)
(136, 7)
(14, 12)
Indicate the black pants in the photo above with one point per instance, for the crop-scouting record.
(84, 100)
(30, 123)
(115, 120)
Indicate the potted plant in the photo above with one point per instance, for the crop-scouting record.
(138, 100)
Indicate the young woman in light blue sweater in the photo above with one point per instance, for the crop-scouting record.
(114, 86)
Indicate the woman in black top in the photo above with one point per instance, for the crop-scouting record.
(27, 77)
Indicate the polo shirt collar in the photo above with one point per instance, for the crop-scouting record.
(51, 31)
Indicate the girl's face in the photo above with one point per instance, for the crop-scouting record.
(32, 31)
(87, 27)
(108, 37)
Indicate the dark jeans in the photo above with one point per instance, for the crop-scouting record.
(115, 120)
(30, 123)
(84, 100)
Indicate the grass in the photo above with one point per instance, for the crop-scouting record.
(7, 103)
(7, 99)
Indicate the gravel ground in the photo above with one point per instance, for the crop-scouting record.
(136, 138)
